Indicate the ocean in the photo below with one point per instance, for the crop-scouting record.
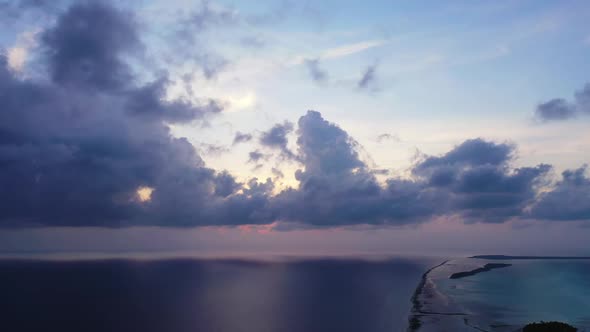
(505, 299)
(287, 294)
(209, 295)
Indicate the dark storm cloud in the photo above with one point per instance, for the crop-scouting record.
(276, 138)
(242, 138)
(368, 78)
(86, 45)
(75, 149)
(336, 188)
(568, 200)
(478, 183)
(315, 71)
(225, 184)
(473, 181)
(561, 109)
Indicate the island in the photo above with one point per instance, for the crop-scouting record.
(485, 268)
(505, 257)
(549, 327)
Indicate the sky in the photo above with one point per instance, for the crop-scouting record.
(295, 127)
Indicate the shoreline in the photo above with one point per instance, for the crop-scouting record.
(506, 257)
(414, 322)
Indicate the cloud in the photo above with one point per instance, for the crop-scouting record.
(76, 148)
(86, 47)
(90, 145)
(582, 98)
(478, 183)
(11, 10)
(315, 72)
(350, 49)
(213, 149)
(208, 16)
(336, 187)
(242, 138)
(256, 156)
(471, 152)
(276, 138)
(555, 109)
(149, 102)
(277, 173)
(388, 137)
(473, 181)
(18, 54)
(368, 78)
(192, 25)
(569, 199)
(560, 109)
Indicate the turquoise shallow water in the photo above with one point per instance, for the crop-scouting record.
(507, 298)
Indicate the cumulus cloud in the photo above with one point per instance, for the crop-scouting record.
(336, 188)
(75, 149)
(87, 44)
(569, 199)
(560, 109)
(478, 183)
(276, 138)
(90, 145)
(473, 181)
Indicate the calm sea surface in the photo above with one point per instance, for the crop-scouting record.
(508, 298)
(208, 295)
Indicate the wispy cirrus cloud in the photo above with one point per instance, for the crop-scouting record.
(350, 49)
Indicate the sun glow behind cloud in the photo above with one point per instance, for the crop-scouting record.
(144, 194)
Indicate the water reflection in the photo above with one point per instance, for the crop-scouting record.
(208, 295)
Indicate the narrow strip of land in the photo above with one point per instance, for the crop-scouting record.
(485, 268)
(416, 305)
(505, 257)
(417, 312)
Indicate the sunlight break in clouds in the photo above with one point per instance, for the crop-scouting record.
(18, 54)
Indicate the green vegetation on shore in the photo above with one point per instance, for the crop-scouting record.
(549, 327)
